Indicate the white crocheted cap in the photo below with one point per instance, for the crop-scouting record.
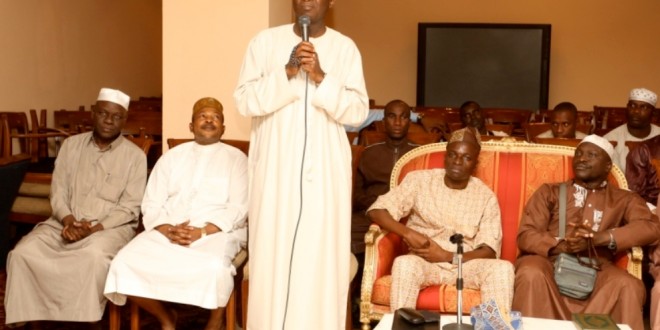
(601, 142)
(644, 95)
(114, 96)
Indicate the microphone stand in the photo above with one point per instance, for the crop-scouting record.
(459, 325)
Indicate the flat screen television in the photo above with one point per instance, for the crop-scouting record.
(496, 65)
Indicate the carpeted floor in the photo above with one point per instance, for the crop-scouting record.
(190, 318)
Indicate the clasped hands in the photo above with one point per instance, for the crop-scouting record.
(424, 247)
(305, 57)
(75, 230)
(181, 234)
(578, 241)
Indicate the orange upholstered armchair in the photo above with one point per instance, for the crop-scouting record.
(513, 170)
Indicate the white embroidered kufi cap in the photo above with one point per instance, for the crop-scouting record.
(601, 142)
(644, 95)
(114, 96)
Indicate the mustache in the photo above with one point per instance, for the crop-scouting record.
(209, 125)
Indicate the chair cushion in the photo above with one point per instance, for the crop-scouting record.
(32, 205)
(440, 298)
(34, 190)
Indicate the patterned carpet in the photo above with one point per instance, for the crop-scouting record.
(190, 318)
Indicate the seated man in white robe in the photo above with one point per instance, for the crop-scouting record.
(57, 271)
(194, 213)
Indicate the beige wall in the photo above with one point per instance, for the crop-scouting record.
(58, 53)
(203, 49)
(600, 48)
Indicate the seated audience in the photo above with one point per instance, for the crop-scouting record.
(641, 173)
(375, 167)
(563, 119)
(472, 116)
(615, 219)
(57, 271)
(639, 112)
(441, 203)
(376, 115)
(194, 214)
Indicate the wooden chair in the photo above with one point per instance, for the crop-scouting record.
(504, 128)
(608, 118)
(513, 170)
(239, 262)
(438, 120)
(534, 129)
(142, 140)
(515, 117)
(39, 126)
(12, 170)
(73, 121)
(16, 124)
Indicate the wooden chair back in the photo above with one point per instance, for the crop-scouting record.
(5, 141)
(504, 128)
(534, 129)
(16, 124)
(608, 118)
(515, 117)
(141, 140)
(62, 120)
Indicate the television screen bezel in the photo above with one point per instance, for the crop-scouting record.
(423, 27)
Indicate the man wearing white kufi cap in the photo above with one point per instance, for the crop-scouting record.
(613, 219)
(639, 110)
(57, 271)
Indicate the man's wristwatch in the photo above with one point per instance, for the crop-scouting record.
(612, 245)
(203, 231)
(454, 260)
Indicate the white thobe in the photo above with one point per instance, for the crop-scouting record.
(203, 184)
(621, 135)
(300, 179)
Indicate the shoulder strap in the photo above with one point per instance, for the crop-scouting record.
(562, 210)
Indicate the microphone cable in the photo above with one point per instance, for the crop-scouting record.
(295, 234)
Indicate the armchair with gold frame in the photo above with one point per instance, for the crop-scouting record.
(513, 170)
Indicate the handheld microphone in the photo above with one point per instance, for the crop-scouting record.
(456, 238)
(304, 21)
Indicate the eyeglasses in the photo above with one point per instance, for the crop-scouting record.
(104, 114)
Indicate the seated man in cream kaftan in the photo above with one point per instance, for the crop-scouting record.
(194, 213)
(441, 203)
(57, 271)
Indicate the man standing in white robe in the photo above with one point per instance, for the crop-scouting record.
(194, 214)
(57, 271)
(299, 95)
